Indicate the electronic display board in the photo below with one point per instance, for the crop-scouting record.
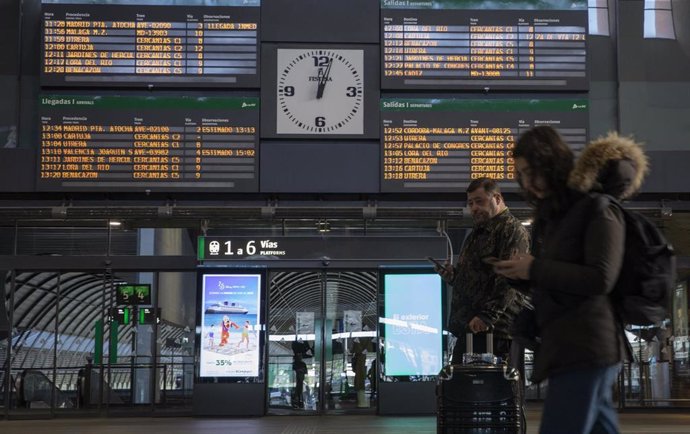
(149, 315)
(412, 323)
(131, 143)
(131, 295)
(479, 44)
(137, 315)
(230, 325)
(123, 315)
(154, 44)
(436, 145)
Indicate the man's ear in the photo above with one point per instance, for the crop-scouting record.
(499, 198)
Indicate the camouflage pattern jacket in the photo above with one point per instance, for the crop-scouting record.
(477, 290)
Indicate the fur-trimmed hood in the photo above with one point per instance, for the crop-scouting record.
(602, 158)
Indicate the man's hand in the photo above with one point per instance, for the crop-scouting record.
(477, 325)
(446, 272)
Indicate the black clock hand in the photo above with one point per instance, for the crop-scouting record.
(324, 80)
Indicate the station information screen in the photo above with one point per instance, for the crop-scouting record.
(437, 145)
(119, 143)
(134, 45)
(477, 44)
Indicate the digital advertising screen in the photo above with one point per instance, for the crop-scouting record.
(230, 326)
(135, 44)
(412, 323)
(484, 44)
(437, 145)
(137, 143)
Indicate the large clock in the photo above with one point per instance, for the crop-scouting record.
(320, 91)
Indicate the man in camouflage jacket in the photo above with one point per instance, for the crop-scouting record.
(481, 298)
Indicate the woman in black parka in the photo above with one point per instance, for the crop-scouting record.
(576, 257)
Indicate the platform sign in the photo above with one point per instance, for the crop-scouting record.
(123, 315)
(149, 315)
(132, 295)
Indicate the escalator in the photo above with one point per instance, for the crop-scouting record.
(36, 391)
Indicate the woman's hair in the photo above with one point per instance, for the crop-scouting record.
(550, 159)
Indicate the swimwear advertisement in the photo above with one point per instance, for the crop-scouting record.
(230, 325)
(413, 324)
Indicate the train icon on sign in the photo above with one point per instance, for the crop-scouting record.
(214, 247)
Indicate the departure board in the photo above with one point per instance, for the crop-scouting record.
(149, 45)
(437, 145)
(119, 143)
(473, 44)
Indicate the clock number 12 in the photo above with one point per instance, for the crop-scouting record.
(320, 60)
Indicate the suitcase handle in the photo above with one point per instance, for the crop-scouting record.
(469, 341)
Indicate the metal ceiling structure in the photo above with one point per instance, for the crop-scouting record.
(72, 302)
(296, 291)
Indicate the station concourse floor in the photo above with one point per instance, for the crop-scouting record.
(631, 423)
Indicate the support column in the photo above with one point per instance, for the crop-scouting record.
(143, 346)
(174, 293)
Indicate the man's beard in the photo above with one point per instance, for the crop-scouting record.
(480, 218)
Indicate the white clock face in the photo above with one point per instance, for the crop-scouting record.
(320, 91)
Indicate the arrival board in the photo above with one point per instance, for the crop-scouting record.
(148, 45)
(118, 143)
(437, 145)
(461, 45)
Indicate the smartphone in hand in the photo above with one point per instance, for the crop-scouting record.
(436, 262)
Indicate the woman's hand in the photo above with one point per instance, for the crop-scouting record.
(515, 268)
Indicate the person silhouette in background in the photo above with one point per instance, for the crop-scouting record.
(372, 375)
(300, 350)
(360, 348)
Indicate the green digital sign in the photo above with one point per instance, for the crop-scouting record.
(123, 315)
(149, 315)
(132, 295)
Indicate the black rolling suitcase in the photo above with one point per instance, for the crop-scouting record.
(479, 396)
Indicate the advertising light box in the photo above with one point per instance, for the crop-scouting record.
(230, 325)
(412, 324)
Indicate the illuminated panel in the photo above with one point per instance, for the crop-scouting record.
(484, 45)
(432, 145)
(230, 316)
(142, 45)
(157, 144)
(411, 323)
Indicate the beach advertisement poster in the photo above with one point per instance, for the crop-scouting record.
(230, 325)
